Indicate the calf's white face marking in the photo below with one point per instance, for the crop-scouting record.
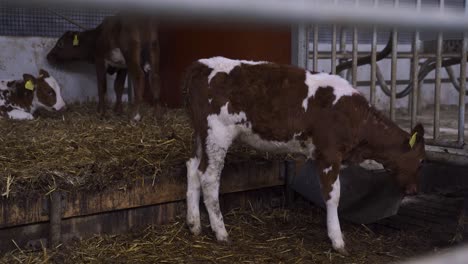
(59, 103)
(340, 86)
(221, 64)
(3, 85)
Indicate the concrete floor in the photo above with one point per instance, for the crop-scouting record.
(448, 122)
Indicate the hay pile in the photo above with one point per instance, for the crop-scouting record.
(296, 235)
(78, 150)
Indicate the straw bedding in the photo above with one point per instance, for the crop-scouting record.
(77, 150)
(295, 235)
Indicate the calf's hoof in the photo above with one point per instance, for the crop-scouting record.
(223, 238)
(136, 117)
(194, 229)
(342, 251)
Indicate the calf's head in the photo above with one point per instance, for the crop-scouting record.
(47, 92)
(71, 46)
(408, 162)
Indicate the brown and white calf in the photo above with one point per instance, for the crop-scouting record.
(281, 108)
(19, 99)
(120, 44)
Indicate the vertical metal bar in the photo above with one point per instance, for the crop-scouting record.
(437, 79)
(355, 57)
(355, 52)
(333, 46)
(373, 61)
(342, 46)
(307, 49)
(315, 61)
(394, 69)
(302, 46)
(414, 72)
(461, 94)
(333, 51)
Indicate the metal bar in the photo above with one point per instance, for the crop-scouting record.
(302, 46)
(278, 12)
(393, 74)
(403, 82)
(461, 93)
(373, 62)
(355, 51)
(315, 61)
(333, 51)
(394, 69)
(414, 72)
(437, 87)
(342, 45)
(355, 57)
(333, 47)
(400, 55)
(443, 143)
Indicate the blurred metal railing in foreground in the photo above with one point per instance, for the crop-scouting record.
(434, 61)
(283, 12)
(453, 256)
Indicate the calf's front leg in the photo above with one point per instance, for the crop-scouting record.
(119, 84)
(330, 183)
(101, 85)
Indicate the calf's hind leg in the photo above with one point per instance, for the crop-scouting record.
(193, 190)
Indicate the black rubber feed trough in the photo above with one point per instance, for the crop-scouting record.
(367, 195)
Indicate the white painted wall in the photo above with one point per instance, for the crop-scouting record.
(20, 55)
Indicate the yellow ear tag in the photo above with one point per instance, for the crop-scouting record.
(29, 85)
(413, 139)
(76, 42)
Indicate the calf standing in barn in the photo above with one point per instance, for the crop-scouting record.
(281, 108)
(19, 99)
(119, 44)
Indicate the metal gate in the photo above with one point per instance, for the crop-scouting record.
(428, 53)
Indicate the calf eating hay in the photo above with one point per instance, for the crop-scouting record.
(281, 108)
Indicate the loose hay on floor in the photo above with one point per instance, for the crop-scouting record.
(77, 150)
(272, 236)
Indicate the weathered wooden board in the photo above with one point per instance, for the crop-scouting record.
(35, 236)
(236, 177)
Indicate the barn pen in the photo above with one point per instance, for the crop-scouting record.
(80, 188)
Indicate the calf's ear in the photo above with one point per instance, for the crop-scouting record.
(416, 136)
(43, 73)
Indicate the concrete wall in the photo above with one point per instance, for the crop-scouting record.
(20, 55)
